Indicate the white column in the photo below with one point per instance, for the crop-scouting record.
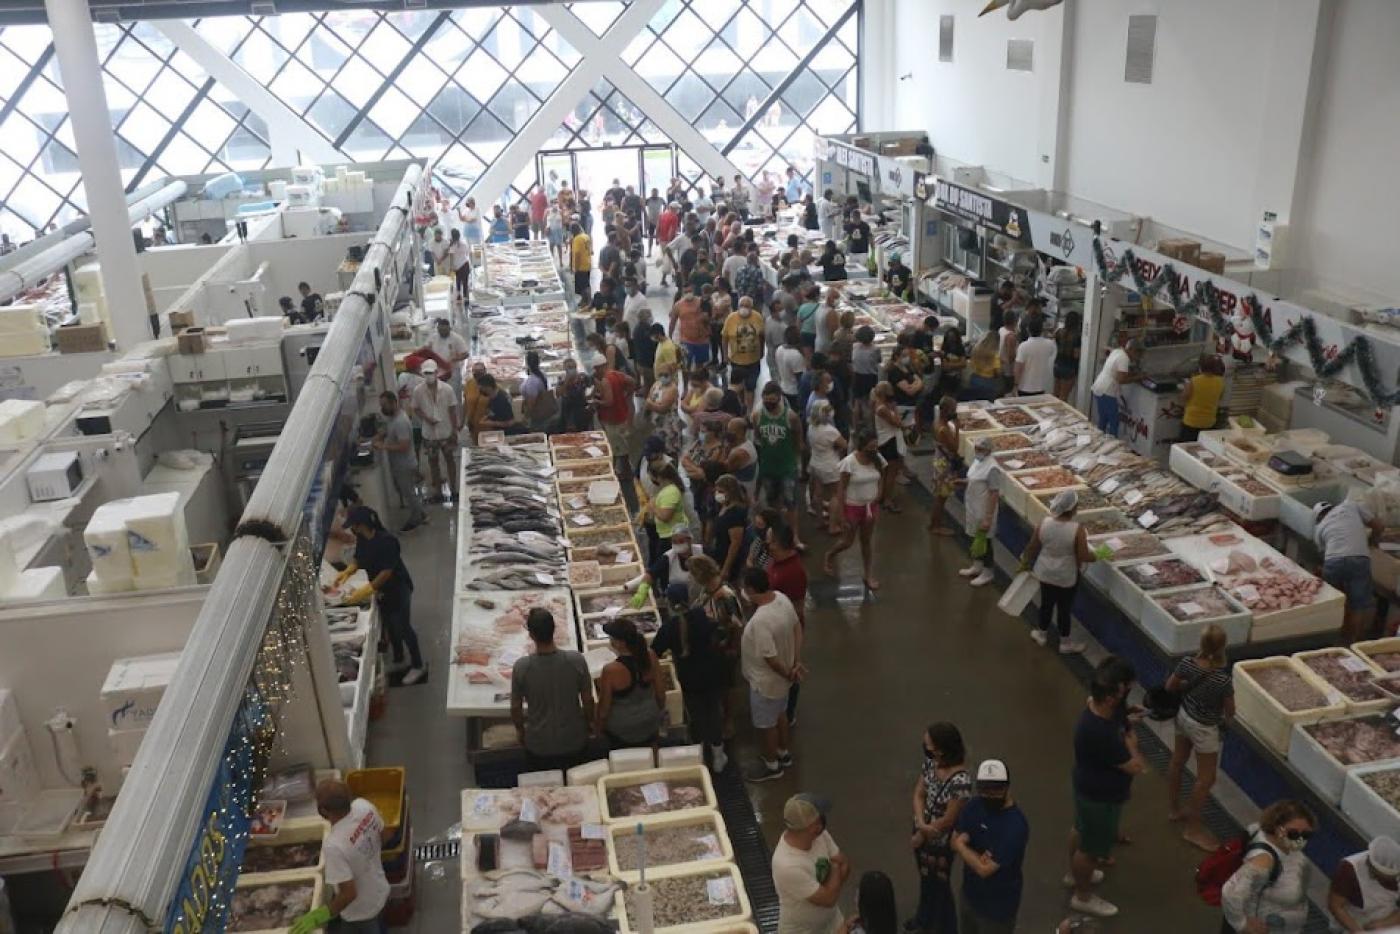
(76, 47)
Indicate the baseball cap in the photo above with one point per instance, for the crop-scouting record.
(1384, 856)
(1321, 508)
(803, 810)
(429, 366)
(653, 445)
(360, 515)
(992, 771)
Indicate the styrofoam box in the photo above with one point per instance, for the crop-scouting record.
(37, 584)
(682, 773)
(551, 778)
(22, 318)
(1178, 636)
(702, 820)
(630, 760)
(311, 877)
(671, 756)
(1316, 764)
(588, 773)
(1353, 706)
(10, 722)
(107, 545)
(1269, 719)
(124, 743)
(21, 419)
(293, 830)
(245, 330)
(742, 909)
(156, 534)
(134, 687)
(1373, 647)
(1363, 805)
(19, 777)
(32, 344)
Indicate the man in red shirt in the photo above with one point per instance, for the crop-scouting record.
(789, 578)
(667, 226)
(539, 204)
(612, 393)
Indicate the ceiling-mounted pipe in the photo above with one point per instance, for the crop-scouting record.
(40, 244)
(28, 273)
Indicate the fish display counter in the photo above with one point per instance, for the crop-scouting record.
(503, 334)
(518, 272)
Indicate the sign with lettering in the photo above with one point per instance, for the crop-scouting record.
(997, 215)
(849, 157)
(896, 178)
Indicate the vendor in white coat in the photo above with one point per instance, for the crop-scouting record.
(1365, 890)
(980, 507)
(353, 868)
(1345, 532)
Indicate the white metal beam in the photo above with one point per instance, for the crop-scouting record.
(607, 50)
(288, 131)
(543, 122)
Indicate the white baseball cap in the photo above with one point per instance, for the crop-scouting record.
(428, 366)
(992, 770)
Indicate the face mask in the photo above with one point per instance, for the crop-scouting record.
(745, 312)
(993, 804)
(721, 498)
(430, 378)
(1294, 846)
(387, 413)
(928, 756)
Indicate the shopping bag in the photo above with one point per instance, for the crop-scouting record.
(979, 547)
(1018, 595)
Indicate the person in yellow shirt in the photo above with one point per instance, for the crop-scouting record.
(474, 403)
(743, 343)
(668, 355)
(1201, 398)
(581, 262)
(984, 380)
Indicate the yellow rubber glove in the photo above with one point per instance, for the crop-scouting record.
(342, 577)
(361, 594)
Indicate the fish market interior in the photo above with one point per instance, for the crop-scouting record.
(658, 416)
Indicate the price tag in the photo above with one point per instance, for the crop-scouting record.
(1109, 485)
(560, 863)
(624, 557)
(1082, 440)
(1191, 609)
(1148, 519)
(581, 520)
(1247, 592)
(1133, 497)
(593, 451)
(593, 832)
(578, 502)
(1015, 465)
(1082, 462)
(544, 578)
(577, 893)
(1147, 570)
(709, 843)
(546, 472)
(529, 811)
(721, 891)
(1354, 665)
(656, 793)
(483, 805)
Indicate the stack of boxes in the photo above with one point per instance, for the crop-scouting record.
(130, 695)
(385, 789)
(92, 299)
(23, 331)
(139, 544)
(19, 777)
(18, 585)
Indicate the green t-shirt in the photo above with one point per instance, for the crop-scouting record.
(669, 497)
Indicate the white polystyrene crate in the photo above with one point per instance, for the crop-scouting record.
(742, 910)
(588, 773)
(1180, 636)
(36, 585)
(549, 778)
(669, 756)
(698, 773)
(1373, 647)
(1377, 705)
(1317, 765)
(1368, 809)
(630, 760)
(108, 548)
(1266, 717)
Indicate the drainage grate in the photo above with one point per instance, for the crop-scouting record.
(751, 852)
(434, 852)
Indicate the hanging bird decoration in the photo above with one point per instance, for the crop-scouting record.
(1016, 8)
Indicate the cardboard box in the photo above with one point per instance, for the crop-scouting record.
(82, 338)
(180, 320)
(902, 147)
(19, 777)
(134, 687)
(1183, 249)
(191, 340)
(1212, 262)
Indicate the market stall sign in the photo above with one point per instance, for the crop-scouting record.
(1067, 241)
(849, 157)
(896, 178)
(997, 215)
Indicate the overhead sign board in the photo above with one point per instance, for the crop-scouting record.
(982, 209)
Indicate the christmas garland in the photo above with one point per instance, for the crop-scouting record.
(1206, 299)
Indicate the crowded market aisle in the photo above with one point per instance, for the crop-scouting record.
(927, 648)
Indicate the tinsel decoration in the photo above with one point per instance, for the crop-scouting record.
(284, 641)
(1205, 298)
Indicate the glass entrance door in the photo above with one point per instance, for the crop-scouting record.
(555, 168)
(658, 168)
(593, 170)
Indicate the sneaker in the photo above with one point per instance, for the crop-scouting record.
(719, 760)
(1039, 636)
(1095, 879)
(1093, 905)
(971, 571)
(414, 675)
(983, 579)
(785, 760)
(763, 773)
(1071, 647)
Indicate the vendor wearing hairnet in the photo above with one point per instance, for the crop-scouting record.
(1365, 892)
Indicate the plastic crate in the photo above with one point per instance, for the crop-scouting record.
(296, 830)
(1368, 809)
(620, 779)
(1353, 706)
(724, 852)
(273, 878)
(395, 844)
(384, 788)
(742, 909)
(1310, 760)
(1269, 719)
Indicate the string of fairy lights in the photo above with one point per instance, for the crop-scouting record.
(255, 732)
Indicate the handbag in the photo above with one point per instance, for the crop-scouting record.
(1163, 704)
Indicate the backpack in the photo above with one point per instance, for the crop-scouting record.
(1217, 868)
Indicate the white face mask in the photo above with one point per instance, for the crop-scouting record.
(430, 378)
(745, 312)
(721, 498)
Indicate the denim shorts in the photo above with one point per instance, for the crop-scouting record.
(765, 711)
(1352, 576)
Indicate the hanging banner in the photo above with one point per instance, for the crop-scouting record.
(997, 215)
(1067, 241)
(896, 178)
(849, 157)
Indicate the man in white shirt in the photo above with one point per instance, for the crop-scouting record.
(633, 306)
(1346, 532)
(459, 260)
(351, 852)
(826, 215)
(769, 658)
(1035, 361)
(441, 418)
(739, 197)
(809, 869)
(734, 262)
(451, 347)
(703, 206)
(1117, 371)
(437, 249)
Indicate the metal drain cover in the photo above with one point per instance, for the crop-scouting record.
(432, 852)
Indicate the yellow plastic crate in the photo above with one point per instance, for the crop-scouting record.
(382, 787)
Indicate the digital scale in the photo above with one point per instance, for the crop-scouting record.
(1290, 464)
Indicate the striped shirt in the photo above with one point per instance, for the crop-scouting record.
(1205, 691)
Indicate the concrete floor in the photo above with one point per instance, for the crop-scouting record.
(927, 648)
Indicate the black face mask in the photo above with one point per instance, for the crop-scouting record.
(928, 756)
(993, 804)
